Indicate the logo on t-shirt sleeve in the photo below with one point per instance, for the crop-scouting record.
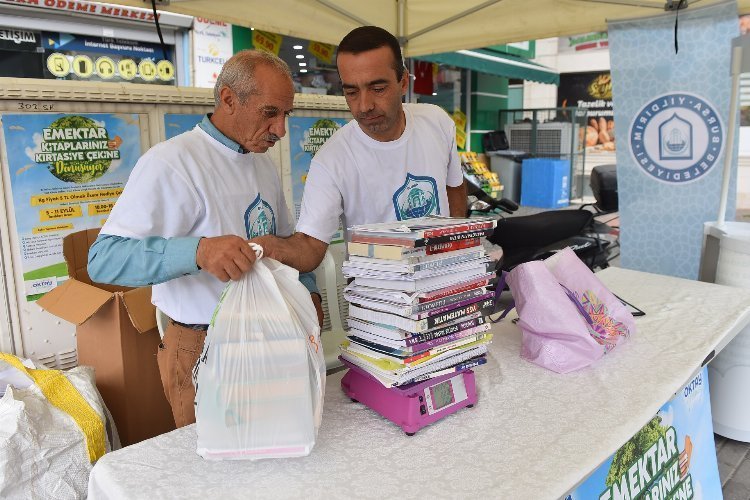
(417, 197)
(259, 218)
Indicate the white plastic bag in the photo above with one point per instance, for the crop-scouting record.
(44, 452)
(261, 377)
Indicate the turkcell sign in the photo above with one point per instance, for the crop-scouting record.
(677, 137)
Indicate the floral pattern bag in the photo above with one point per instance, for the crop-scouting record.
(568, 318)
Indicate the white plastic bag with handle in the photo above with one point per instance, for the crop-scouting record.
(261, 378)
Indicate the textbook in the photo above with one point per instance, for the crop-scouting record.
(410, 346)
(460, 367)
(416, 259)
(422, 284)
(409, 338)
(407, 242)
(350, 271)
(399, 252)
(405, 266)
(411, 298)
(376, 351)
(483, 307)
(392, 374)
(432, 226)
(422, 314)
(417, 308)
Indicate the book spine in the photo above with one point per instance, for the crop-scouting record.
(447, 330)
(384, 251)
(448, 300)
(451, 307)
(469, 235)
(445, 292)
(444, 231)
(446, 339)
(450, 246)
(485, 307)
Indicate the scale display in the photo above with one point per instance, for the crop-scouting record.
(415, 406)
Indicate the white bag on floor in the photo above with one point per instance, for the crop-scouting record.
(260, 380)
(44, 452)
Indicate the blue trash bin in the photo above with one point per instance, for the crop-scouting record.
(545, 183)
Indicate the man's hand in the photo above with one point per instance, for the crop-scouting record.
(318, 303)
(226, 257)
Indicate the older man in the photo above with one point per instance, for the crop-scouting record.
(394, 161)
(191, 203)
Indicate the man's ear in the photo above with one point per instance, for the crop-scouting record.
(404, 82)
(227, 99)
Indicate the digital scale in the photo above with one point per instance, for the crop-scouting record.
(413, 406)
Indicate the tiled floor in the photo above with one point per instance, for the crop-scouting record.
(734, 468)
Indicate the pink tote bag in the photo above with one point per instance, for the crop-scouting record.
(568, 318)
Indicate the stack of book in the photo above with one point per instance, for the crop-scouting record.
(419, 298)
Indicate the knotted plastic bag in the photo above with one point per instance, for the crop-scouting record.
(568, 317)
(261, 378)
(53, 428)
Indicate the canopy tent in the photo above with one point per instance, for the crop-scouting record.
(424, 26)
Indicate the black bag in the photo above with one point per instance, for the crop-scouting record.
(495, 141)
(604, 186)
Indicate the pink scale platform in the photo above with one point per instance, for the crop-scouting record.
(413, 406)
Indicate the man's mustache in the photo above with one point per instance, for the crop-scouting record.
(272, 138)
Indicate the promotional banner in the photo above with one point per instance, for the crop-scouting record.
(270, 42)
(66, 171)
(592, 92)
(212, 46)
(306, 136)
(671, 457)
(671, 111)
(177, 123)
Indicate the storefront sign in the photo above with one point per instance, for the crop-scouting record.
(84, 7)
(671, 114)
(593, 92)
(671, 457)
(306, 136)
(322, 51)
(65, 173)
(13, 39)
(212, 47)
(270, 42)
(584, 42)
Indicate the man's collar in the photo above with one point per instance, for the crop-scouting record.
(214, 132)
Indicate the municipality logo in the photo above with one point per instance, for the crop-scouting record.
(677, 137)
(259, 218)
(417, 197)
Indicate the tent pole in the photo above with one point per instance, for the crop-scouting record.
(731, 130)
(452, 18)
(344, 12)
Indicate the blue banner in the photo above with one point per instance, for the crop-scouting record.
(177, 123)
(673, 456)
(671, 111)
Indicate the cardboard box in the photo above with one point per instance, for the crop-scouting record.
(116, 334)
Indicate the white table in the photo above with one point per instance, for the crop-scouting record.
(533, 434)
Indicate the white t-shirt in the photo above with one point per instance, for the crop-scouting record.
(372, 181)
(192, 185)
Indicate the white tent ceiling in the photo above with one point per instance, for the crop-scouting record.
(427, 26)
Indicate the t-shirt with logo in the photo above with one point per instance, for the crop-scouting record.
(371, 181)
(192, 185)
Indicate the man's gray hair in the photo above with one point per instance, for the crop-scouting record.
(238, 73)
